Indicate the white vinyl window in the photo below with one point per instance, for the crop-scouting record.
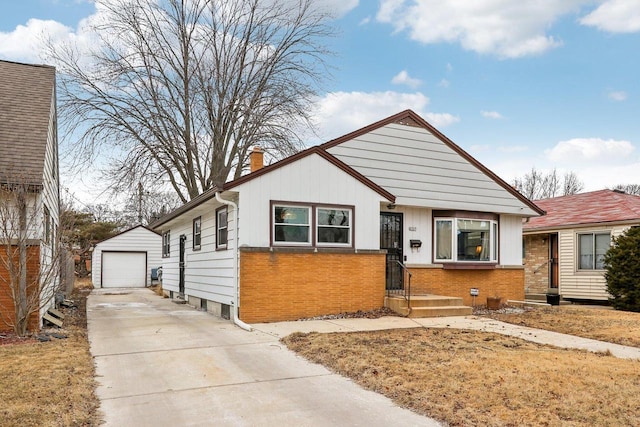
(292, 225)
(166, 244)
(591, 250)
(465, 240)
(197, 233)
(333, 226)
(222, 227)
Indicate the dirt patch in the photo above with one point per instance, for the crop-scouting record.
(371, 314)
(466, 378)
(619, 327)
(51, 383)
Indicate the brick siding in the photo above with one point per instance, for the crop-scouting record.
(507, 283)
(278, 286)
(6, 302)
(536, 263)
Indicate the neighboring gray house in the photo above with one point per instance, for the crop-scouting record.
(126, 259)
(29, 164)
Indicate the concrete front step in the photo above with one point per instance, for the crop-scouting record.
(446, 311)
(428, 306)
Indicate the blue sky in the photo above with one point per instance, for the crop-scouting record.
(518, 84)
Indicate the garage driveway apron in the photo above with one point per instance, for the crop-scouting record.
(162, 364)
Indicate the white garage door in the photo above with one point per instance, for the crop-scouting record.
(124, 269)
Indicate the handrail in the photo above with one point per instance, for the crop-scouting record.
(406, 288)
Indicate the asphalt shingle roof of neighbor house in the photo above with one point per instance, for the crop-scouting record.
(596, 207)
(26, 93)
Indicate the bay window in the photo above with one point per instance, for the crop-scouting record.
(465, 240)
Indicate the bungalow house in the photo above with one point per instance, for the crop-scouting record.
(29, 192)
(564, 250)
(338, 226)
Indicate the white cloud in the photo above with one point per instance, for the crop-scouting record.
(440, 120)
(615, 16)
(479, 148)
(513, 148)
(339, 113)
(26, 42)
(403, 78)
(590, 150)
(505, 28)
(444, 83)
(491, 115)
(617, 96)
(365, 21)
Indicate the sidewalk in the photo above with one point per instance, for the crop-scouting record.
(282, 329)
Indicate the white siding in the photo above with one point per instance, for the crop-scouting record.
(417, 225)
(510, 236)
(580, 284)
(208, 272)
(420, 170)
(311, 179)
(50, 197)
(138, 239)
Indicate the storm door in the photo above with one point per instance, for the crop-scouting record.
(391, 240)
(183, 239)
(553, 260)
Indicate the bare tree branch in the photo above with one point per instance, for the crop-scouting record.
(536, 185)
(178, 91)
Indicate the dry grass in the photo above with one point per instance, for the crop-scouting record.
(51, 383)
(466, 378)
(619, 327)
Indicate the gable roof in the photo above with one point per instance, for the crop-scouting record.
(407, 117)
(26, 93)
(127, 231)
(596, 207)
(407, 156)
(210, 194)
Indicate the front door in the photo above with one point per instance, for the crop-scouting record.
(183, 239)
(553, 260)
(391, 240)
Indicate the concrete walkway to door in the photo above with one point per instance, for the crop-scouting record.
(161, 364)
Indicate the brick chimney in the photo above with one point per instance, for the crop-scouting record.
(256, 159)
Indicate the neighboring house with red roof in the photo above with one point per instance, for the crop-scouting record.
(28, 169)
(328, 229)
(564, 249)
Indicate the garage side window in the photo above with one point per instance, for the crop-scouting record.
(166, 244)
(197, 233)
(221, 228)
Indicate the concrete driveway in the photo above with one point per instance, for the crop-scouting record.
(162, 364)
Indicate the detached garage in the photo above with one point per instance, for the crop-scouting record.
(126, 260)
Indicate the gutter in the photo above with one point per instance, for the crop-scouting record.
(236, 278)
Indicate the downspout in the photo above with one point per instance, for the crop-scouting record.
(236, 278)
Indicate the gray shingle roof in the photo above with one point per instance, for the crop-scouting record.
(25, 108)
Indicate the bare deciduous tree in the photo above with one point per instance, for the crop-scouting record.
(178, 91)
(629, 188)
(536, 185)
(29, 276)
